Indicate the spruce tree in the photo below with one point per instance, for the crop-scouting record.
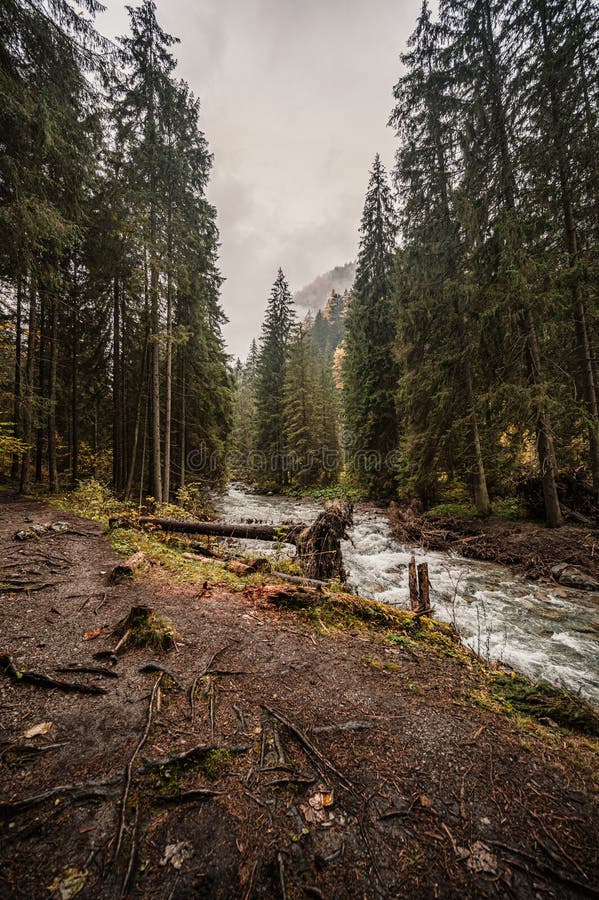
(277, 332)
(370, 368)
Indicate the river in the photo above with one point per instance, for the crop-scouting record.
(542, 630)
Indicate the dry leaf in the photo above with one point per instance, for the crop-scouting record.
(93, 634)
(482, 859)
(41, 728)
(176, 854)
(69, 884)
(424, 801)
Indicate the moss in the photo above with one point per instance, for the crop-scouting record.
(377, 664)
(146, 628)
(215, 763)
(543, 701)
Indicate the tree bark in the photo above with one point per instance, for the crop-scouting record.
(39, 442)
(17, 381)
(168, 390)
(53, 369)
(74, 382)
(481, 494)
(183, 423)
(116, 387)
(29, 385)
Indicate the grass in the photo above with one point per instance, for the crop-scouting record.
(545, 702)
(508, 508)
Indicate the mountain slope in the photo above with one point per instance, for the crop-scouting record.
(314, 295)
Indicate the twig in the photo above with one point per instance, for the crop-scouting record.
(248, 891)
(97, 608)
(279, 747)
(201, 674)
(309, 745)
(122, 641)
(132, 856)
(129, 768)
(211, 707)
(282, 875)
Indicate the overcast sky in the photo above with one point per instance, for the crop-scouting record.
(295, 97)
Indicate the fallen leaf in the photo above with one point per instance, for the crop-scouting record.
(94, 633)
(41, 728)
(424, 801)
(176, 854)
(482, 859)
(69, 884)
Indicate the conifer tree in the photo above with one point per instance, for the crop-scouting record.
(278, 329)
(370, 369)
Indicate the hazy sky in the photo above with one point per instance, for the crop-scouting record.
(295, 97)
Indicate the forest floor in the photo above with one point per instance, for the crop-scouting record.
(325, 757)
(528, 547)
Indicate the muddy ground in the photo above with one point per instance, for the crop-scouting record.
(527, 547)
(426, 794)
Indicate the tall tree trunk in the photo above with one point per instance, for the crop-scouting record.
(138, 411)
(545, 447)
(29, 385)
(52, 397)
(74, 382)
(168, 389)
(116, 386)
(17, 382)
(481, 494)
(183, 423)
(155, 461)
(39, 443)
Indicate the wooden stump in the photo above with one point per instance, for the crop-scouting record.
(319, 544)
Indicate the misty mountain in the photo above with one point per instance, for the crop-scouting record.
(314, 295)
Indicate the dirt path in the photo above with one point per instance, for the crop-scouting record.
(430, 796)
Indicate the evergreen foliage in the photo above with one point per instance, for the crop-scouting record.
(370, 370)
(108, 254)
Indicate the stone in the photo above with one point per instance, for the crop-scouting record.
(573, 577)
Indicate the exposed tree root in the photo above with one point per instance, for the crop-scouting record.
(8, 667)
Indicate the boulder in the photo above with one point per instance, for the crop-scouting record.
(573, 577)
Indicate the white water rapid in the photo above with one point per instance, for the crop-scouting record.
(542, 630)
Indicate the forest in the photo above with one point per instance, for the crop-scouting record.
(462, 363)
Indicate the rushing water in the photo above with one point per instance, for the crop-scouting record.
(542, 630)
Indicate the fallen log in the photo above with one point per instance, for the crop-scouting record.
(318, 545)
(283, 533)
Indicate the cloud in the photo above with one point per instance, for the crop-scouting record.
(295, 97)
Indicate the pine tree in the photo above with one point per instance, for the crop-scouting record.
(370, 369)
(437, 315)
(277, 332)
(300, 404)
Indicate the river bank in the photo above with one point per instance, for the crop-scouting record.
(527, 547)
(333, 757)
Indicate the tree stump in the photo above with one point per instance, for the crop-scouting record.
(319, 544)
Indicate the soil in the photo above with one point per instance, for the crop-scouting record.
(527, 547)
(430, 795)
